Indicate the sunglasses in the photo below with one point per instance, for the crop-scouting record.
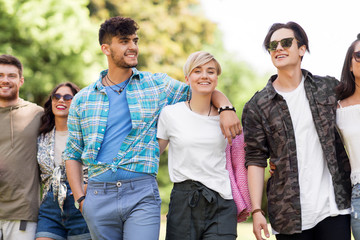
(356, 56)
(57, 97)
(285, 43)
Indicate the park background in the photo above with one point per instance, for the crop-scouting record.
(57, 41)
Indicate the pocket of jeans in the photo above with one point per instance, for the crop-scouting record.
(156, 193)
(84, 206)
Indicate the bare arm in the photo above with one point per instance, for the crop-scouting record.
(74, 174)
(229, 121)
(162, 144)
(256, 185)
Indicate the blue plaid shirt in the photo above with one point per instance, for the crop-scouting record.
(146, 94)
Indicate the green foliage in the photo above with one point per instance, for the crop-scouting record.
(53, 39)
(169, 30)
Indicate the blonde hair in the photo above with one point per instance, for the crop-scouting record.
(197, 59)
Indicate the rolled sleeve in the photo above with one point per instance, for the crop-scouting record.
(256, 148)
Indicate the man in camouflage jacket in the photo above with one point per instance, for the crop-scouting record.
(270, 133)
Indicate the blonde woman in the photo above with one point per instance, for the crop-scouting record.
(201, 202)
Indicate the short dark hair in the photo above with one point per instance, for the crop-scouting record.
(11, 60)
(299, 34)
(116, 27)
(48, 118)
(346, 87)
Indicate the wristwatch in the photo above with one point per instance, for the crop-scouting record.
(77, 202)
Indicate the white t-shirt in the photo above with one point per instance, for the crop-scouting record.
(317, 195)
(196, 148)
(347, 120)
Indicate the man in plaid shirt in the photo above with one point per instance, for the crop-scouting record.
(112, 129)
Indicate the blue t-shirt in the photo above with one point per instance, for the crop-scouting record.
(117, 128)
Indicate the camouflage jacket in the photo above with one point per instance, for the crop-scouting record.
(269, 133)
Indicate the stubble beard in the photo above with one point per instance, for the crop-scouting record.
(12, 95)
(120, 62)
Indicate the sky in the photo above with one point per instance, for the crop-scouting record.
(331, 26)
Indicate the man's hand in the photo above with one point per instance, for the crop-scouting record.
(259, 223)
(80, 205)
(230, 125)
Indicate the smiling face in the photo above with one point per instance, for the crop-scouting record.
(60, 107)
(123, 51)
(283, 58)
(10, 83)
(203, 79)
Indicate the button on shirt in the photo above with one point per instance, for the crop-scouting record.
(146, 94)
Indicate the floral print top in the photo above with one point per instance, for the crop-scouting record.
(52, 175)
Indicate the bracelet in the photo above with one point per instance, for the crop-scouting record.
(226, 108)
(258, 210)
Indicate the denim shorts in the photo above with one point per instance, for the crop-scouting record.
(355, 211)
(53, 223)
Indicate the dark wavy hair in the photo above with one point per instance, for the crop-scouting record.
(299, 33)
(346, 87)
(11, 60)
(48, 118)
(116, 27)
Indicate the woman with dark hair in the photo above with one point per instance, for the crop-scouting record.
(348, 119)
(58, 217)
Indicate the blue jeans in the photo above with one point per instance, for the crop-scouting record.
(355, 211)
(53, 223)
(127, 209)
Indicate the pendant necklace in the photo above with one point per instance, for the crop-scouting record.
(192, 110)
(121, 89)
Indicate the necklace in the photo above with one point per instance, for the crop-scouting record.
(192, 110)
(121, 89)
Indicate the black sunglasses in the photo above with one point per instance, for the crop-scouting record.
(57, 97)
(285, 43)
(356, 56)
